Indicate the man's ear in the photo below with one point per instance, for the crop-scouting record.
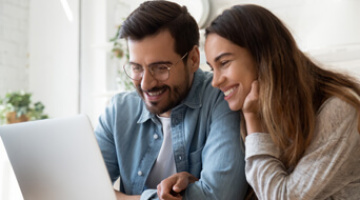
(193, 60)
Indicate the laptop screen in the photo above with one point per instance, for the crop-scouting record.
(57, 159)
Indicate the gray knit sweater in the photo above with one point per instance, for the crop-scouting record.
(329, 169)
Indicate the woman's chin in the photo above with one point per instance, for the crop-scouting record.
(235, 107)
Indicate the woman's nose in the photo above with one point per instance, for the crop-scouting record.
(217, 79)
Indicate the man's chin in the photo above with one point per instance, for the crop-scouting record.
(154, 108)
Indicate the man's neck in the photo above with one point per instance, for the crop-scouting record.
(165, 114)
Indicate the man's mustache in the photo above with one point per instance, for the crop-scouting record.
(155, 89)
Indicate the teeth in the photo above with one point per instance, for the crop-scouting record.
(154, 93)
(226, 93)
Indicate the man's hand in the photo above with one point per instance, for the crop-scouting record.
(171, 187)
(122, 196)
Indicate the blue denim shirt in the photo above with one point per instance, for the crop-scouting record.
(205, 139)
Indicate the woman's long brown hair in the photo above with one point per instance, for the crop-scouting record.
(291, 86)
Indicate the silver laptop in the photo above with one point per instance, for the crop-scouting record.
(57, 159)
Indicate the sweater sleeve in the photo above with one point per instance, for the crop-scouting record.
(336, 138)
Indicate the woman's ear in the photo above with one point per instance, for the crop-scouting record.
(193, 60)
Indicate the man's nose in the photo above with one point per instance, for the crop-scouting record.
(148, 81)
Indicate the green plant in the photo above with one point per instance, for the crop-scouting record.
(20, 103)
(119, 47)
(120, 52)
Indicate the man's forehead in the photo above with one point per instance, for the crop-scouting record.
(160, 38)
(152, 48)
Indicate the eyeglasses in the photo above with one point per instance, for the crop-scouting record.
(160, 71)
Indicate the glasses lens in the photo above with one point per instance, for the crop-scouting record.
(161, 72)
(133, 71)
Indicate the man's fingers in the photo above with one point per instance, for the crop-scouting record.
(181, 184)
(165, 191)
(159, 190)
(183, 181)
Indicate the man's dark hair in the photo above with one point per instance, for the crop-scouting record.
(152, 17)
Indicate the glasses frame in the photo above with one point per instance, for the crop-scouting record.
(152, 72)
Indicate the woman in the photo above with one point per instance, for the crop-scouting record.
(301, 122)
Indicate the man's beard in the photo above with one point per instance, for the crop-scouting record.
(175, 96)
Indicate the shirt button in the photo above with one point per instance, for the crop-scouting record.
(156, 136)
(140, 173)
(180, 157)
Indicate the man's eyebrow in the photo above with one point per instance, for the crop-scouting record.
(217, 58)
(134, 63)
(154, 63)
(161, 62)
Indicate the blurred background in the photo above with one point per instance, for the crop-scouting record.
(64, 54)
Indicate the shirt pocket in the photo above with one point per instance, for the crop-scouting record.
(195, 164)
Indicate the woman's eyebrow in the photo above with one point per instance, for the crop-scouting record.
(217, 58)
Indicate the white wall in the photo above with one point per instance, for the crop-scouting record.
(14, 35)
(39, 53)
(99, 70)
(93, 57)
(54, 56)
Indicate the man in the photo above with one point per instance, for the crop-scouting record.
(176, 122)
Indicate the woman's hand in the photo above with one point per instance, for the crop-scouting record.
(251, 110)
(171, 187)
(251, 102)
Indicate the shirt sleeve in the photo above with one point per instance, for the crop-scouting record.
(149, 194)
(336, 137)
(222, 175)
(105, 139)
